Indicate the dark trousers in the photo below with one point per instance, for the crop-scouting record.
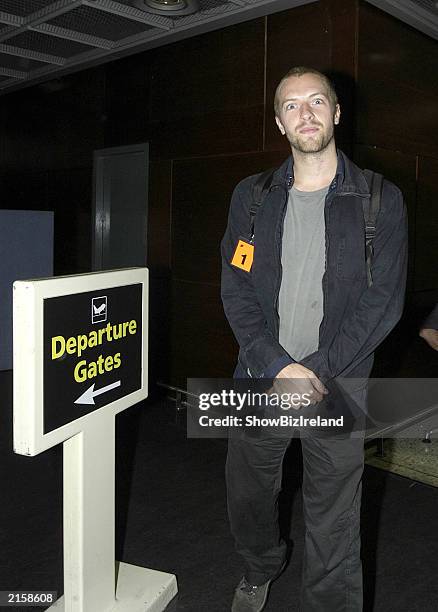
(332, 471)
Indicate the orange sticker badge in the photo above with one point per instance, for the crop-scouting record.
(243, 256)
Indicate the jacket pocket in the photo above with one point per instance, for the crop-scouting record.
(350, 260)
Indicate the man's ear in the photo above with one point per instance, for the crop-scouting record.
(280, 125)
(337, 114)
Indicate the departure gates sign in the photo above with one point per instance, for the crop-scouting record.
(80, 346)
(92, 351)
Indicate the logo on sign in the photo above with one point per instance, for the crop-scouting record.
(99, 309)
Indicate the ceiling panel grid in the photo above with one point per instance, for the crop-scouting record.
(43, 39)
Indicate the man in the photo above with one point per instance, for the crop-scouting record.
(303, 313)
(429, 329)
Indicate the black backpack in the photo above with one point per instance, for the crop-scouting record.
(371, 209)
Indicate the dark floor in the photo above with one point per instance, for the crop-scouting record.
(171, 516)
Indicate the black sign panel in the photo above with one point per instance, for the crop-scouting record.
(92, 351)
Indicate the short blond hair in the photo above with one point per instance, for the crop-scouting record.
(298, 71)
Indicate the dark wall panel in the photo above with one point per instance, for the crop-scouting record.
(202, 344)
(398, 84)
(56, 124)
(202, 190)
(69, 195)
(160, 343)
(159, 250)
(426, 236)
(199, 104)
(234, 131)
(127, 100)
(159, 205)
(24, 189)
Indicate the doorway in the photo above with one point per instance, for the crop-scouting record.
(120, 207)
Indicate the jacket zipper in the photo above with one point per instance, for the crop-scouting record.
(324, 278)
(280, 270)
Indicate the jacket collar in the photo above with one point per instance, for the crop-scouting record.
(348, 179)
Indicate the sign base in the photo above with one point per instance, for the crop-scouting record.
(138, 590)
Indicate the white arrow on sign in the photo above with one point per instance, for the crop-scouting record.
(88, 396)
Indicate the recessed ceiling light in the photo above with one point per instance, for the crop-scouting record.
(168, 7)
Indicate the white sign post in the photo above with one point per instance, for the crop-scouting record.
(80, 357)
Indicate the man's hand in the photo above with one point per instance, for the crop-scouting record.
(295, 378)
(431, 337)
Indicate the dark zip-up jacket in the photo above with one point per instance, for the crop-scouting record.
(356, 318)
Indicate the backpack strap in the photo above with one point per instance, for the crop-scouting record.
(259, 190)
(371, 209)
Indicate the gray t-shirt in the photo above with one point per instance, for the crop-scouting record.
(300, 303)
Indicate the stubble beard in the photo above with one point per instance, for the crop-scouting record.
(316, 144)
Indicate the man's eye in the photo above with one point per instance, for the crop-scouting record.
(290, 106)
(318, 101)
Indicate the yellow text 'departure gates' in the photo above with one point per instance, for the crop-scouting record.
(79, 344)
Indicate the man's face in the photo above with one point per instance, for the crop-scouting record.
(306, 115)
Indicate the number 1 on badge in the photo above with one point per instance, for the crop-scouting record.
(243, 255)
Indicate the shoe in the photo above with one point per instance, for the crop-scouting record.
(252, 598)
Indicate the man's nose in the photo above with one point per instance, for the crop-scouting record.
(306, 111)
